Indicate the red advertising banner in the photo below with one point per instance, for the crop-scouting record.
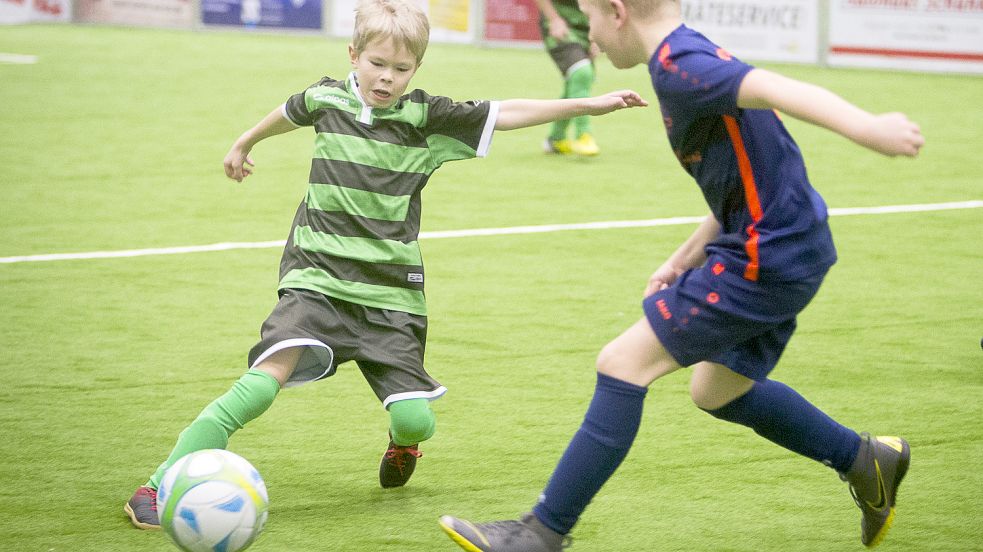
(512, 20)
(144, 13)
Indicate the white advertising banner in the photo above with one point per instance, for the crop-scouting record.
(450, 20)
(28, 11)
(927, 35)
(765, 30)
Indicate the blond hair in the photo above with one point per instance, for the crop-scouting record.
(644, 8)
(399, 20)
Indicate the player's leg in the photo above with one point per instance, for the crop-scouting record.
(874, 467)
(250, 396)
(577, 71)
(736, 388)
(411, 422)
(774, 411)
(289, 349)
(579, 80)
(625, 367)
(390, 356)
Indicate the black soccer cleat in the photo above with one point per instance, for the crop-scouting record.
(142, 509)
(398, 464)
(874, 478)
(526, 534)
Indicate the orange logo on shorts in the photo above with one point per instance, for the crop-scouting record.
(663, 309)
(712, 297)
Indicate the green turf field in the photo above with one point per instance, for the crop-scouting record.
(114, 140)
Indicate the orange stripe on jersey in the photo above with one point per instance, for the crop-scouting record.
(750, 195)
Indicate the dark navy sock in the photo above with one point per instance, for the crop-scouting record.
(777, 413)
(594, 453)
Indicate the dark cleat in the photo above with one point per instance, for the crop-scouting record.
(874, 478)
(397, 465)
(527, 534)
(142, 509)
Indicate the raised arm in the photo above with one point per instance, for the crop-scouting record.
(889, 133)
(513, 114)
(238, 164)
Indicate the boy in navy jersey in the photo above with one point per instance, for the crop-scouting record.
(351, 275)
(726, 301)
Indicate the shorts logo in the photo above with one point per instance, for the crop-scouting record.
(663, 309)
(414, 277)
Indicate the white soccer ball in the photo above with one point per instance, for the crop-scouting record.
(212, 500)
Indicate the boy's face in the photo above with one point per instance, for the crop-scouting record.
(384, 70)
(605, 21)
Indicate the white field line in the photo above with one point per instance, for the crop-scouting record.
(17, 58)
(672, 221)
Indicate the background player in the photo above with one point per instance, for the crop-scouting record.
(726, 301)
(565, 34)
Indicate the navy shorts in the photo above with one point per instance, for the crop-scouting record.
(713, 314)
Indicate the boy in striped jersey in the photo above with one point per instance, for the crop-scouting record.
(351, 275)
(725, 302)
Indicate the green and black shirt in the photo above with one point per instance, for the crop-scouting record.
(354, 236)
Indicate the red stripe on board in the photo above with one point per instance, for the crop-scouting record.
(956, 56)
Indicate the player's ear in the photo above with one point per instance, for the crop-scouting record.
(352, 54)
(620, 12)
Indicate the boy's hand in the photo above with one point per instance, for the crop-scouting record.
(559, 29)
(238, 164)
(620, 99)
(893, 134)
(661, 279)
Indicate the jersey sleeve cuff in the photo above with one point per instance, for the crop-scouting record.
(484, 145)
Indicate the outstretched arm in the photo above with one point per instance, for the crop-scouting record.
(238, 164)
(513, 114)
(690, 254)
(890, 133)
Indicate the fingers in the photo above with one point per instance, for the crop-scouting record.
(239, 169)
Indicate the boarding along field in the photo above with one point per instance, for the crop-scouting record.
(112, 140)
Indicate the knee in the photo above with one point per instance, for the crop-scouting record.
(411, 421)
(714, 395)
(618, 362)
(610, 360)
(582, 77)
(702, 397)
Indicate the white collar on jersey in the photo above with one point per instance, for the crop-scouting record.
(365, 114)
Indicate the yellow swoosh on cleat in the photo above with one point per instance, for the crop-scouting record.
(881, 495)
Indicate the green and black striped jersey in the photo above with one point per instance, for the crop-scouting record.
(354, 236)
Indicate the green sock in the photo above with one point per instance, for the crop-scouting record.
(578, 85)
(249, 397)
(411, 421)
(558, 130)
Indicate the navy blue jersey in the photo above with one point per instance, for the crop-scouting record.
(748, 167)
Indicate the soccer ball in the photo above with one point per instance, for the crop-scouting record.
(212, 500)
